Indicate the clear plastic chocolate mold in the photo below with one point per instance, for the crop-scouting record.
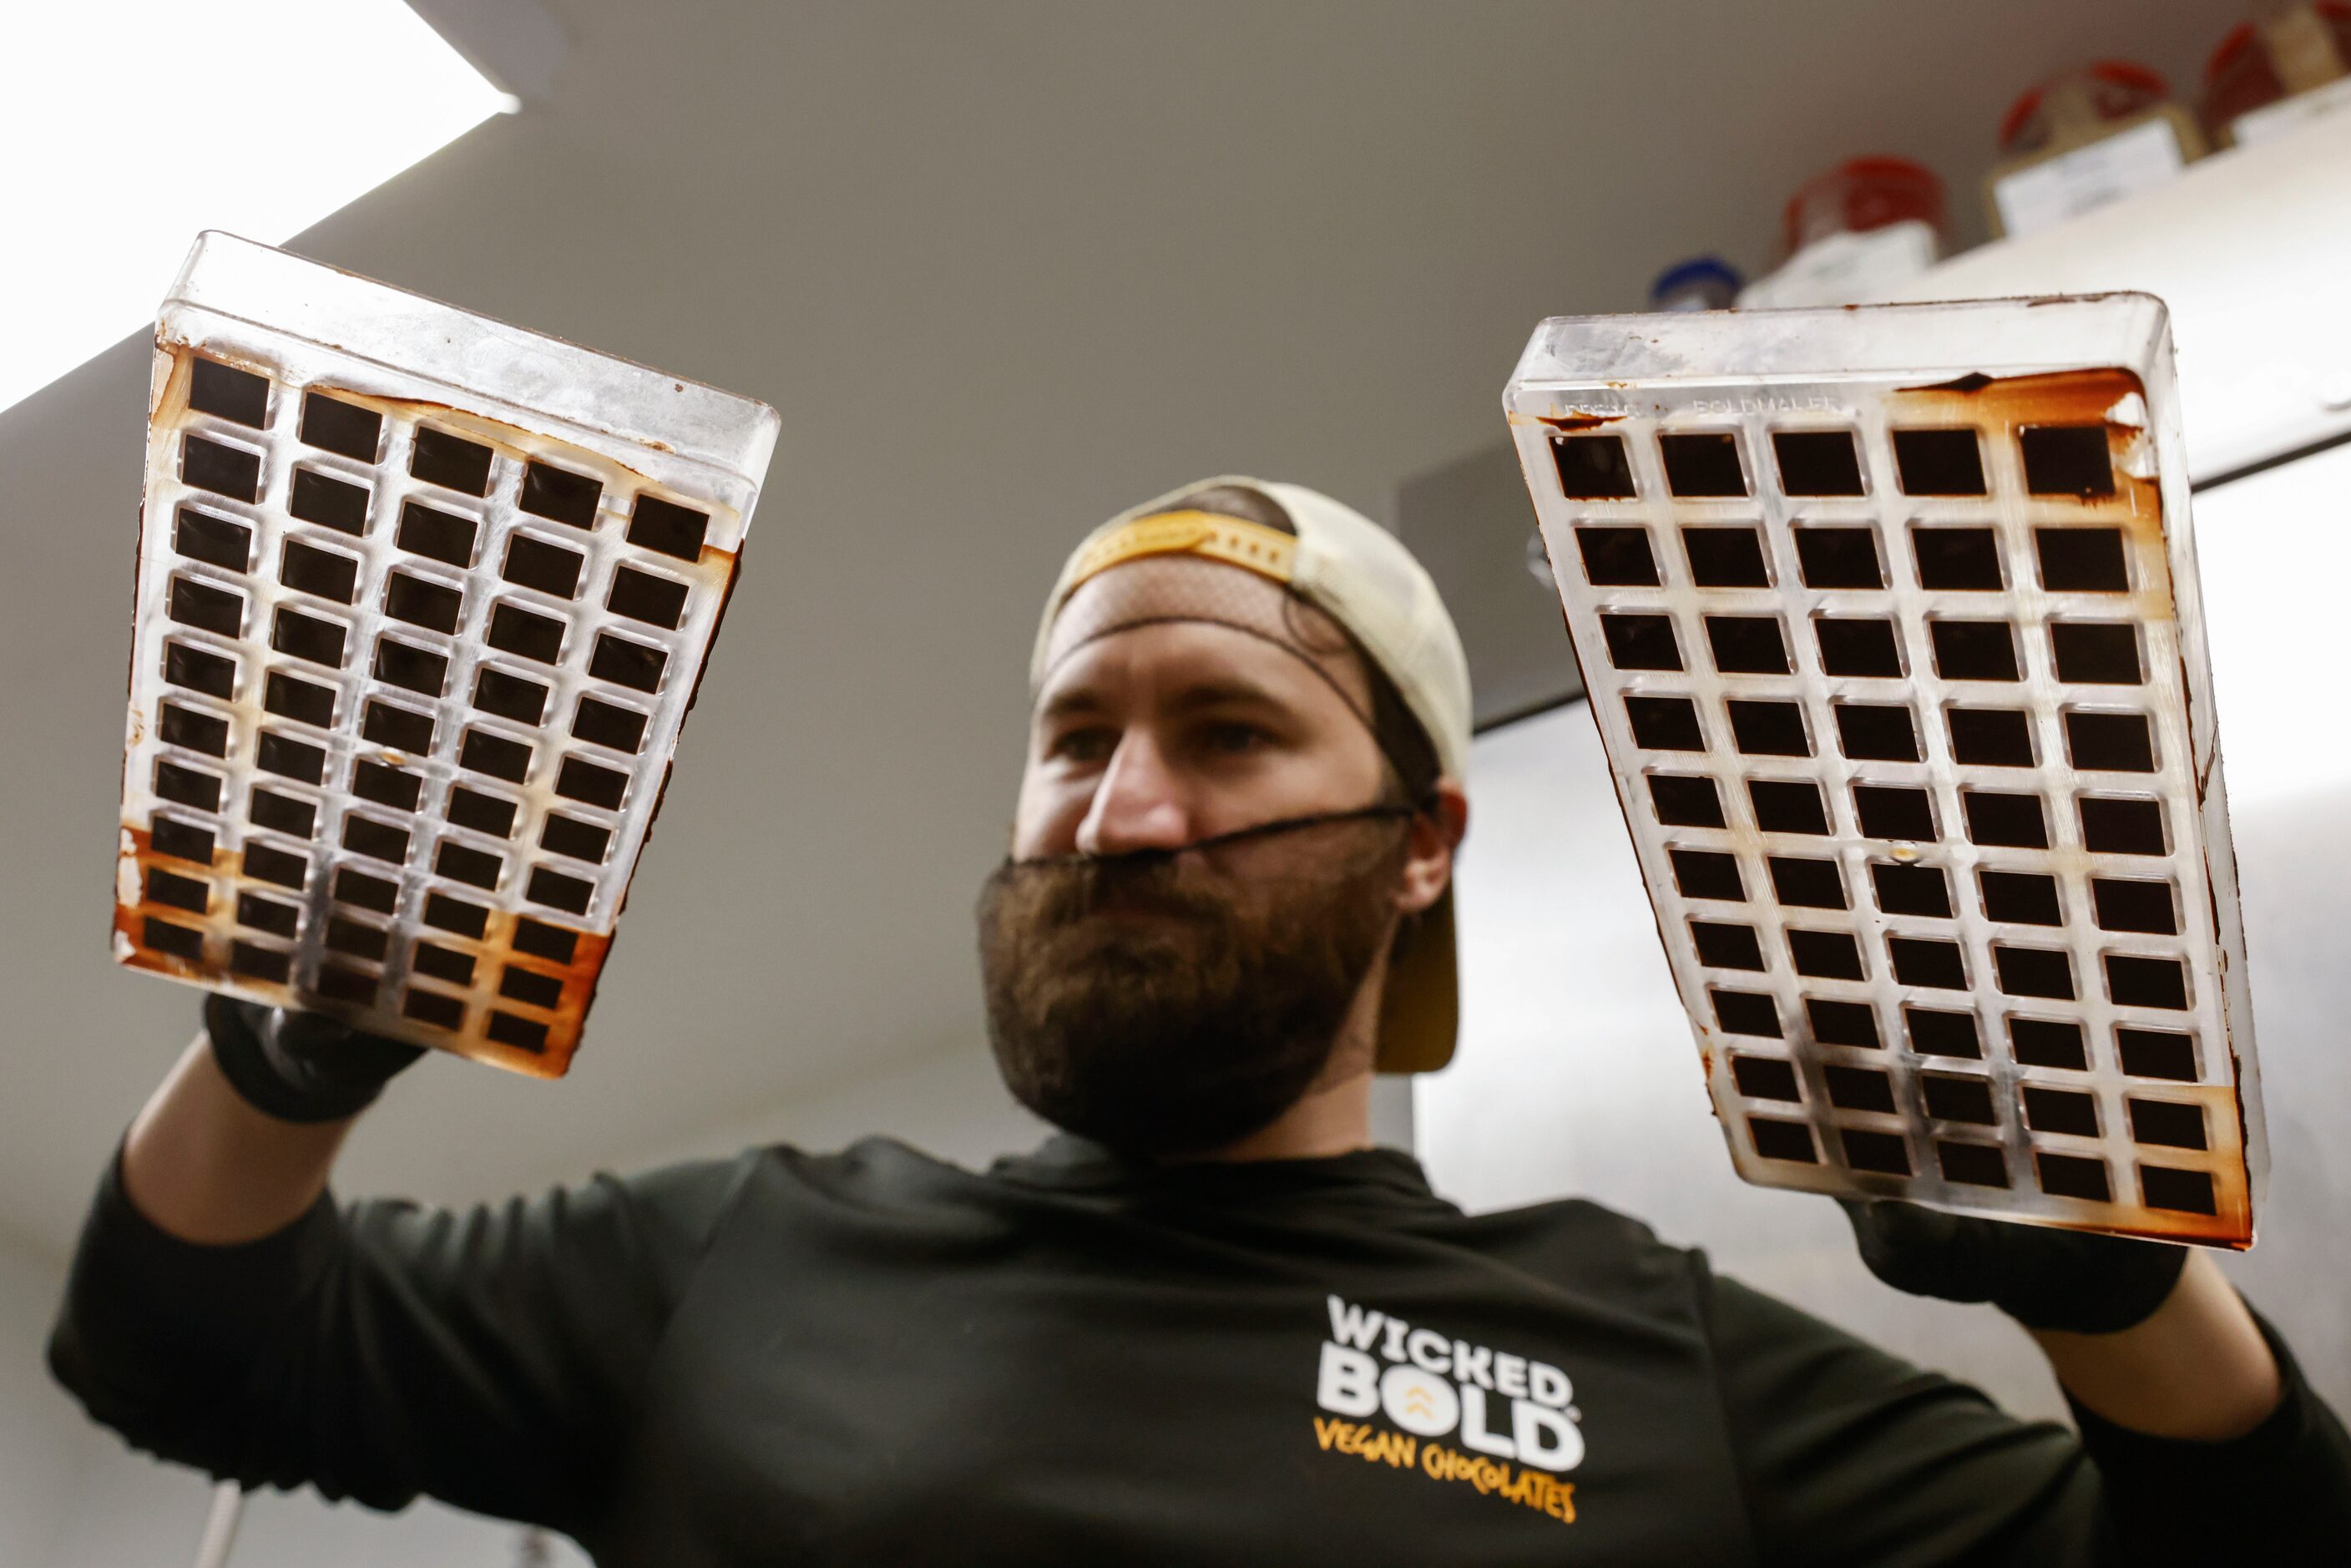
(423, 600)
(1890, 623)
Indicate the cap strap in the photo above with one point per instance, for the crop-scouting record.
(1269, 552)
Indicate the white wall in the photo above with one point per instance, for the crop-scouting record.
(128, 1510)
(40, 1432)
(1577, 1074)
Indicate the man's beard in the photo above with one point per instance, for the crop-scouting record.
(1163, 1009)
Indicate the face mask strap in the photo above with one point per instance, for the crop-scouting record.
(1238, 835)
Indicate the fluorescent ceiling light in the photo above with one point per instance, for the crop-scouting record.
(136, 123)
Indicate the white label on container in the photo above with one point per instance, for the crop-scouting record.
(2072, 183)
(1847, 269)
(2272, 119)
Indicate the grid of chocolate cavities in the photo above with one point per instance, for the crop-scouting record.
(1775, 906)
(342, 833)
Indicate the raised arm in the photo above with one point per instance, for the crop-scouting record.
(2197, 1368)
(2149, 1335)
(223, 1312)
(2199, 1440)
(214, 1162)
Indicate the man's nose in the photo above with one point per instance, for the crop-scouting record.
(1138, 805)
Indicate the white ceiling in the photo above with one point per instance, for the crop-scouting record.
(1004, 268)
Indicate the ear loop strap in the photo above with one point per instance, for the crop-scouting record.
(1238, 835)
(1262, 830)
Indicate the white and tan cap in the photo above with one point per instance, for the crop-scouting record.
(1357, 573)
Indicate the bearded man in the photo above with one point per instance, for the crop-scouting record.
(1208, 1324)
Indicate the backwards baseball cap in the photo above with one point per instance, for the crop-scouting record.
(1340, 561)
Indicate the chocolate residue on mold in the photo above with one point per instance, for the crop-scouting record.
(493, 952)
(2076, 396)
(1974, 381)
(129, 913)
(1568, 424)
(2229, 1229)
(578, 979)
(2001, 406)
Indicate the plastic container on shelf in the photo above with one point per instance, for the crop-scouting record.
(1853, 232)
(2080, 106)
(1862, 195)
(2267, 75)
(2084, 139)
(1700, 283)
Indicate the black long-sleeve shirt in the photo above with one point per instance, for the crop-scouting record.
(874, 1357)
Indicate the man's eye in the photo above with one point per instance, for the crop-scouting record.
(1235, 739)
(1081, 745)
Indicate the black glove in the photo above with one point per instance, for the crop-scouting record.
(299, 1067)
(2044, 1279)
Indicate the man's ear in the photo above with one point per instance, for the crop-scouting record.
(1433, 833)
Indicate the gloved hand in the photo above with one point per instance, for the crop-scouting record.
(2044, 1279)
(299, 1067)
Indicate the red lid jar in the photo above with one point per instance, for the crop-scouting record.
(2244, 74)
(1861, 194)
(2107, 91)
